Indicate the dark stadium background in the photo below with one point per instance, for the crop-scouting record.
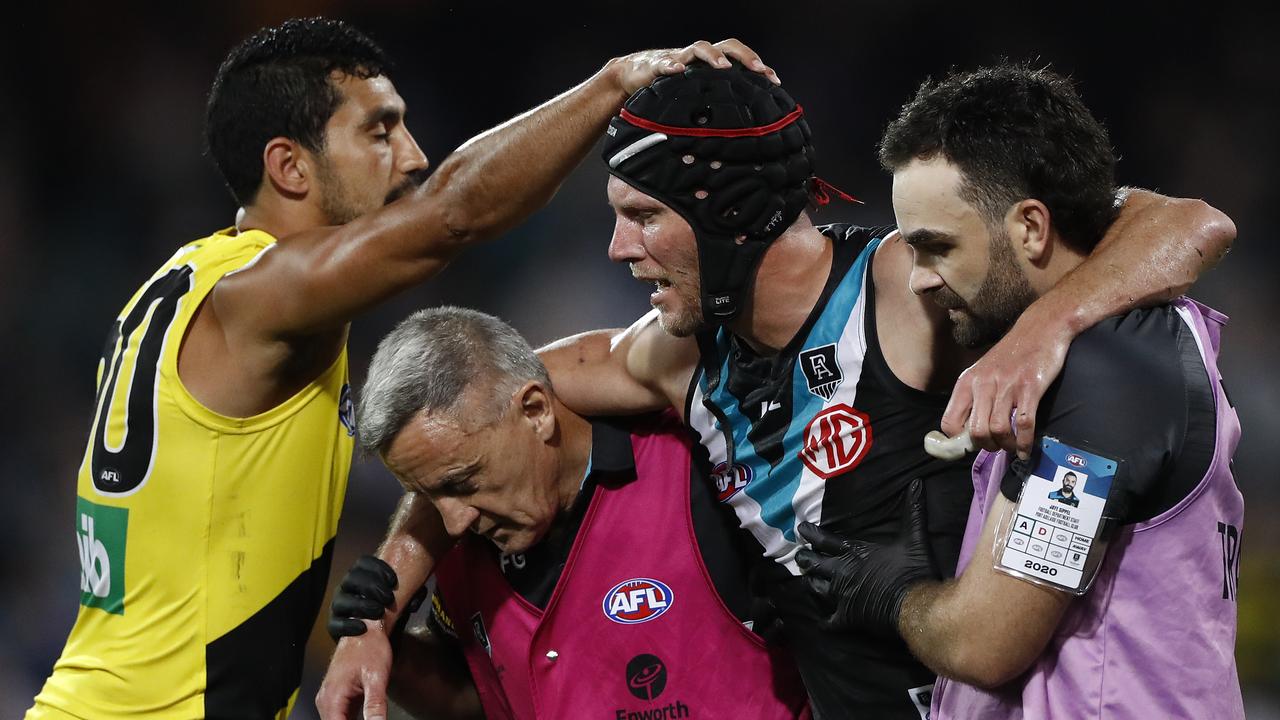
(101, 177)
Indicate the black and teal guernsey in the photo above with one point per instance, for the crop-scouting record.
(824, 432)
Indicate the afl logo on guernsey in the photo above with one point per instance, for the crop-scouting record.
(836, 440)
(1076, 461)
(637, 600)
(730, 480)
(347, 410)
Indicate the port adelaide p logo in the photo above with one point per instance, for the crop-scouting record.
(821, 371)
(637, 600)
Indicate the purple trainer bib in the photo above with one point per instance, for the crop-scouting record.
(1155, 635)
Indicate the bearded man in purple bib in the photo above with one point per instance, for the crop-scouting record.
(1122, 603)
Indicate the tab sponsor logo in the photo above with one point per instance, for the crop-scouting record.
(101, 534)
(637, 600)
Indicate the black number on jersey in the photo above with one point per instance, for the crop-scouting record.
(125, 467)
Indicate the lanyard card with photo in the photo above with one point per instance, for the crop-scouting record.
(1057, 535)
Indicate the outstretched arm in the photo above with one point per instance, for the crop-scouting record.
(1152, 253)
(320, 279)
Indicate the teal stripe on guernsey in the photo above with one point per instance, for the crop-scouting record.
(774, 488)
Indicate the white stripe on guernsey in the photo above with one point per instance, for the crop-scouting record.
(252, 262)
(850, 351)
(748, 510)
(638, 146)
(1187, 318)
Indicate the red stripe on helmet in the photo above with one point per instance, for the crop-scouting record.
(712, 132)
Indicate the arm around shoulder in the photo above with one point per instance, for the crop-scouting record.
(612, 372)
(1156, 248)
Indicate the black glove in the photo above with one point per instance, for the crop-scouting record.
(366, 591)
(867, 582)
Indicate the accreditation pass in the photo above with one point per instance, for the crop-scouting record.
(1054, 536)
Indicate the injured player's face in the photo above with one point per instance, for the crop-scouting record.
(659, 245)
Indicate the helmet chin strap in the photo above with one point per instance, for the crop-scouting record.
(731, 264)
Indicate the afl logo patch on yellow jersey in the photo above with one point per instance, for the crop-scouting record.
(347, 410)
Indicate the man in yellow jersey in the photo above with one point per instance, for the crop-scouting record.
(217, 458)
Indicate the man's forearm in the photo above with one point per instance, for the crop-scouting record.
(489, 185)
(499, 177)
(949, 638)
(982, 628)
(415, 542)
(1152, 253)
(925, 626)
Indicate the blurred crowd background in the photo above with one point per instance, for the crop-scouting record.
(102, 176)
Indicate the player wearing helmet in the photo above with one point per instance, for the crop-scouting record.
(771, 336)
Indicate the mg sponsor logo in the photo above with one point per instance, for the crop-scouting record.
(637, 600)
(730, 480)
(1076, 461)
(836, 440)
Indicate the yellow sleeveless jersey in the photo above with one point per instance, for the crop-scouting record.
(205, 541)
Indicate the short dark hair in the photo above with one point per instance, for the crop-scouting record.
(1015, 132)
(276, 83)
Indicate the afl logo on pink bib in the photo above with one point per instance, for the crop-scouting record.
(637, 600)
